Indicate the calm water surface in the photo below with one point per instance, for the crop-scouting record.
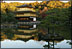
(8, 34)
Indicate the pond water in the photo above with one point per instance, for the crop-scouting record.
(32, 44)
(31, 38)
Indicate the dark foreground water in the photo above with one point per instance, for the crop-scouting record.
(32, 44)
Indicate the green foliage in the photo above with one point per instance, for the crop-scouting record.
(9, 17)
(9, 32)
(59, 20)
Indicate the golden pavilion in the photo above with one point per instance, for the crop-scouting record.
(26, 16)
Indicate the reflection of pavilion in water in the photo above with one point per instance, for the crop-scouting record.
(27, 21)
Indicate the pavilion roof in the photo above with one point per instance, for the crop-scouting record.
(25, 5)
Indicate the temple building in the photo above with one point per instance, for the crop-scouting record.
(27, 20)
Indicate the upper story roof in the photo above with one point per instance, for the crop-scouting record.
(25, 5)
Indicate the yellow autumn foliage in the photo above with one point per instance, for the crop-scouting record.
(50, 4)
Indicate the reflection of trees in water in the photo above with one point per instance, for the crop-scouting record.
(70, 42)
(51, 45)
(50, 37)
(10, 33)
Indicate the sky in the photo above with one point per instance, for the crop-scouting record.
(22, 1)
(27, 1)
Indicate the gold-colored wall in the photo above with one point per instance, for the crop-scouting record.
(27, 31)
(26, 9)
(26, 14)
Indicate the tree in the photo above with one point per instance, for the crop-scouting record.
(59, 19)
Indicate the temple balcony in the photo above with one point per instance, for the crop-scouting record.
(26, 9)
(27, 31)
(36, 22)
(27, 14)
